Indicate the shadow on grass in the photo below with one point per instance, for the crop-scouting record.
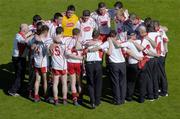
(7, 79)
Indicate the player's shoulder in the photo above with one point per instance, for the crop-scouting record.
(138, 41)
(74, 16)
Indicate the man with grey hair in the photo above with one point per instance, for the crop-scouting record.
(19, 57)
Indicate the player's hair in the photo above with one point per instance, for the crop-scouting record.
(36, 18)
(156, 23)
(57, 15)
(42, 29)
(38, 27)
(86, 13)
(101, 5)
(95, 34)
(147, 21)
(151, 27)
(112, 33)
(59, 30)
(71, 8)
(76, 31)
(142, 28)
(118, 4)
(120, 12)
(133, 16)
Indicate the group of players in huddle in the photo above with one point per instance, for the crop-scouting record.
(68, 48)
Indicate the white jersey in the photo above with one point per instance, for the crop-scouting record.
(155, 37)
(164, 38)
(87, 28)
(19, 46)
(160, 49)
(103, 22)
(116, 56)
(147, 45)
(94, 56)
(122, 35)
(41, 56)
(52, 29)
(58, 58)
(133, 48)
(70, 44)
(32, 28)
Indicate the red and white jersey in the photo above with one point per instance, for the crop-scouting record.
(70, 44)
(19, 46)
(148, 47)
(41, 56)
(103, 22)
(122, 35)
(32, 28)
(86, 28)
(164, 38)
(116, 55)
(132, 47)
(58, 58)
(52, 29)
(155, 36)
(94, 56)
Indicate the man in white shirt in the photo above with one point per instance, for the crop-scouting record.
(117, 68)
(40, 48)
(59, 66)
(103, 21)
(19, 58)
(87, 25)
(74, 62)
(94, 70)
(57, 20)
(147, 43)
(162, 48)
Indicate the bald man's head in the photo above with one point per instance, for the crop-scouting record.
(24, 28)
(142, 30)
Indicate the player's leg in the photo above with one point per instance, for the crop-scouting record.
(64, 88)
(73, 88)
(44, 77)
(55, 88)
(36, 87)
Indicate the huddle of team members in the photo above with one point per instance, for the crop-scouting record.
(69, 47)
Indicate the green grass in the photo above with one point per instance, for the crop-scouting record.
(14, 12)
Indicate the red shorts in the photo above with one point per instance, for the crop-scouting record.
(41, 70)
(103, 37)
(58, 72)
(74, 68)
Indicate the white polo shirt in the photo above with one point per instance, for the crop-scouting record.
(19, 40)
(133, 48)
(146, 44)
(116, 56)
(94, 56)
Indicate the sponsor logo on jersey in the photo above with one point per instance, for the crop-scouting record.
(104, 23)
(70, 24)
(86, 29)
